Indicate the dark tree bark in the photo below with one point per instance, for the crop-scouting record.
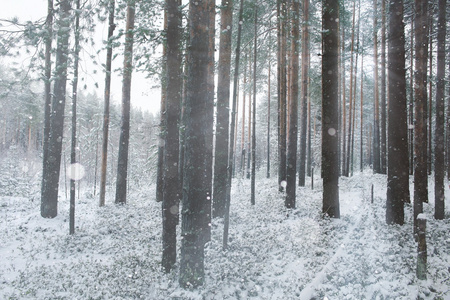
(411, 104)
(109, 48)
(420, 92)
(50, 181)
(439, 158)
(430, 91)
(199, 130)
(223, 110)
(282, 91)
(304, 94)
(330, 100)
(253, 171)
(47, 83)
(398, 161)
(293, 110)
(171, 196)
(226, 224)
(383, 100)
(122, 165)
(268, 123)
(376, 119)
(73, 144)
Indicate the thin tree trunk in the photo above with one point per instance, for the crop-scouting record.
(107, 94)
(361, 149)
(293, 111)
(253, 175)
(73, 144)
(411, 103)
(439, 142)
(268, 123)
(233, 125)
(282, 92)
(223, 111)
(51, 171)
(376, 121)
(330, 100)
(383, 104)
(420, 91)
(122, 165)
(344, 109)
(304, 94)
(249, 132)
(430, 94)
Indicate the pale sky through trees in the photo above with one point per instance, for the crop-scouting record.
(144, 92)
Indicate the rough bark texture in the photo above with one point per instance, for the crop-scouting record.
(330, 100)
(420, 93)
(109, 48)
(122, 165)
(50, 181)
(223, 110)
(398, 161)
(171, 196)
(439, 144)
(199, 130)
(293, 110)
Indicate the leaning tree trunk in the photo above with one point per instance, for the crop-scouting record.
(51, 170)
(398, 160)
(107, 94)
(439, 144)
(223, 111)
(330, 101)
(122, 165)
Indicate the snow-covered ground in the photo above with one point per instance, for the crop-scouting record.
(273, 253)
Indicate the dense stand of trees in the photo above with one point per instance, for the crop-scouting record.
(194, 159)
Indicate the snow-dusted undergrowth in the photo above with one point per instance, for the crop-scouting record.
(273, 253)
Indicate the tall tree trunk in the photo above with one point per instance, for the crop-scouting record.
(223, 110)
(411, 103)
(199, 130)
(109, 47)
(282, 91)
(398, 161)
(330, 100)
(244, 85)
(430, 92)
(344, 109)
(376, 119)
(383, 100)
(249, 132)
(50, 181)
(350, 108)
(420, 91)
(304, 95)
(361, 149)
(48, 94)
(73, 144)
(122, 165)
(268, 123)
(253, 171)
(293, 111)
(237, 57)
(171, 196)
(439, 142)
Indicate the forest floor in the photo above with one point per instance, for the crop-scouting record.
(274, 253)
